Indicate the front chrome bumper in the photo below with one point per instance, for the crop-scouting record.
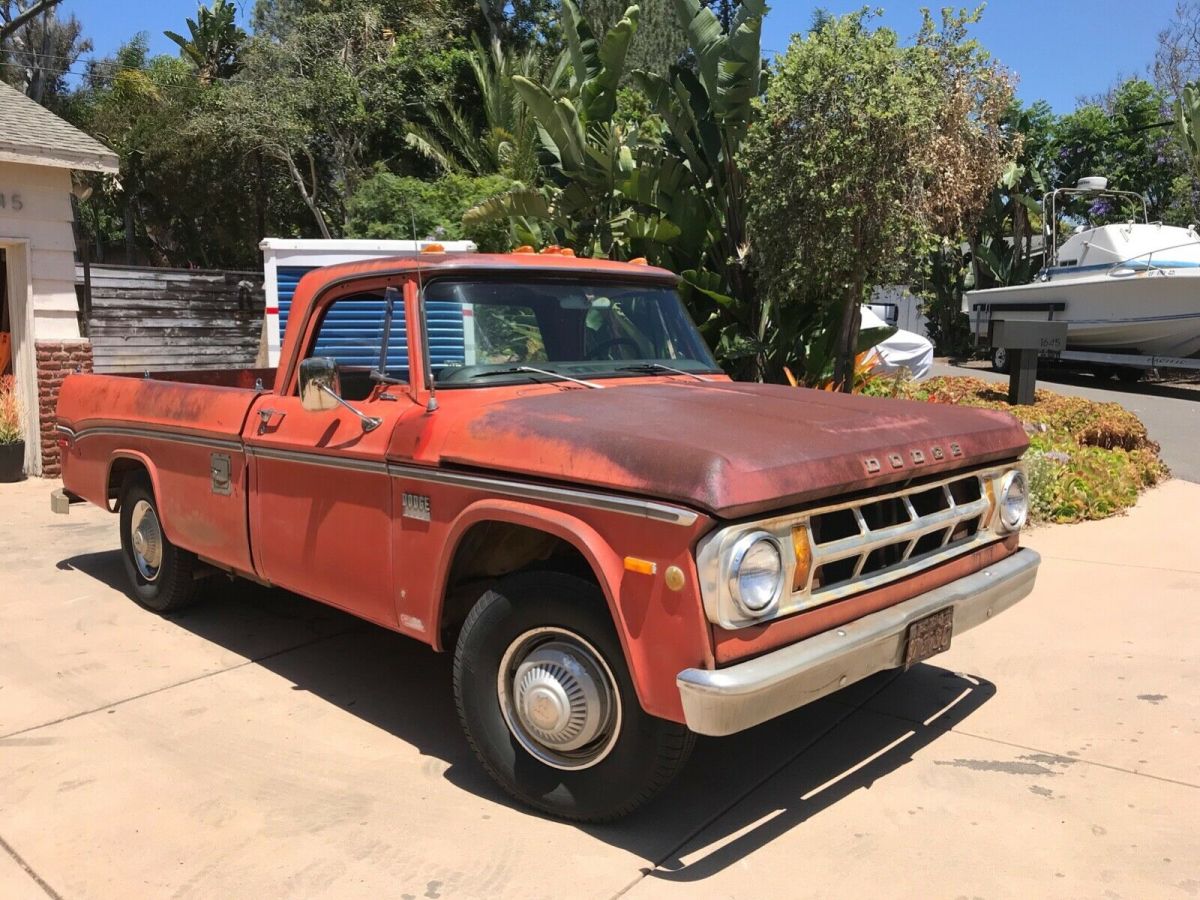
(724, 701)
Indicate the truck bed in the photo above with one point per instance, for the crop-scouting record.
(185, 429)
(261, 379)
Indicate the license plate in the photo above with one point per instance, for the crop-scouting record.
(929, 636)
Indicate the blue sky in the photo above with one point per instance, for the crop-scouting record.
(1060, 49)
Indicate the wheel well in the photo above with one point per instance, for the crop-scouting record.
(491, 550)
(121, 469)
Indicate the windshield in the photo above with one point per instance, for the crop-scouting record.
(581, 329)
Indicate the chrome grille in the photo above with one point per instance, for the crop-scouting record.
(877, 534)
(842, 549)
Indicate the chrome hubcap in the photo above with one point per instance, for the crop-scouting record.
(559, 698)
(146, 537)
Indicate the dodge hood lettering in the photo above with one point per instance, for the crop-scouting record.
(728, 449)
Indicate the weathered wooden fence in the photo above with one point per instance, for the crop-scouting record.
(143, 319)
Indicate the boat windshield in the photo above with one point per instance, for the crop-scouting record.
(520, 331)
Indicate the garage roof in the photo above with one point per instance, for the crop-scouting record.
(30, 133)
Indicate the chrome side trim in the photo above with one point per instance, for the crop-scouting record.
(152, 434)
(317, 459)
(631, 506)
(725, 701)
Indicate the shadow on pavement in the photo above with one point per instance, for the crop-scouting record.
(719, 810)
(1056, 375)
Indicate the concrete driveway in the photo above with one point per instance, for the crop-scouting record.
(262, 745)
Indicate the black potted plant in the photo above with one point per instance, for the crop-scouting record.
(12, 439)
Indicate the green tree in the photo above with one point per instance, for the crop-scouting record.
(37, 49)
(213, 40)
(1125, 136)
(589, 155)
(699, 184)
(503, 136)
(865, 152)
(659, 42)
(389, 206)
(182, 197)
(329, 90)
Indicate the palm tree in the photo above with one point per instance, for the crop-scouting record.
(214, 42)
(507, 142)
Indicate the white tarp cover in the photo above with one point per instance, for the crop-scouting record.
(903, 350)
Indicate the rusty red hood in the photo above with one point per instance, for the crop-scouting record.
(729, 449)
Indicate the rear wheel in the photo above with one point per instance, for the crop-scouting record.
(548, 705)
(159, 572)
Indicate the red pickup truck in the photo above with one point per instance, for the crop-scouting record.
(622, 547)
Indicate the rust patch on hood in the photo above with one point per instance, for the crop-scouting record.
(729, 449)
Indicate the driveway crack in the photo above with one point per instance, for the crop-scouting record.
(28, 869)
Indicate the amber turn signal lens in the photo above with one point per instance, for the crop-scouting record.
(433, 248)
(803, 557)
(640, 566)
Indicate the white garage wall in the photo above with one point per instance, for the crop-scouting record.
(37, 209)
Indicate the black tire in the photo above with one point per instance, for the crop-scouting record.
(644, 752)
(1000, 360)
(172, 586)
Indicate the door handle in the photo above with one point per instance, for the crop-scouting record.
(265, 416)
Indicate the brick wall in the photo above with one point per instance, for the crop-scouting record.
(55, 361)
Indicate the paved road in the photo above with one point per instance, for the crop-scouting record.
(1171, 412)
(263, 745)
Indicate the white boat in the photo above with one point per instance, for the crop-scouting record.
(1123, 288)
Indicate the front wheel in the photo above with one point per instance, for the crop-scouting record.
(159, 572)
(547, 703)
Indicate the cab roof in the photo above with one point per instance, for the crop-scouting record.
(438, 263)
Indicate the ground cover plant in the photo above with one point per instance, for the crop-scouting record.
(1086, 460)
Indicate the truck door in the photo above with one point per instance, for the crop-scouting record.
(320, 495)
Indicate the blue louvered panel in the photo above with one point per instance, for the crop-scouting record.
(353, 329)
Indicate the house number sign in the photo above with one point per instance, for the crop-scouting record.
(11, 202)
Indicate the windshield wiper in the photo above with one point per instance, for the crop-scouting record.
(522, 370)
(659, 367)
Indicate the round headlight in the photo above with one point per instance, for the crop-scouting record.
(756, 573)
(1014, 500)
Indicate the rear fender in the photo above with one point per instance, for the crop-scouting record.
(151, 472)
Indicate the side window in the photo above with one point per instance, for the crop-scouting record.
(351, 332)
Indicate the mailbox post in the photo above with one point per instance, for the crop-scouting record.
(1025, 340)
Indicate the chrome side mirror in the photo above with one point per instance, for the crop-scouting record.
(320, 386)
(321, 389)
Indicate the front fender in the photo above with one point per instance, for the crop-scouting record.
(605, 564)
(658, 629)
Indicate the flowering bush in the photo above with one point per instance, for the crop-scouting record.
(1086, 460)
(10, 411)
